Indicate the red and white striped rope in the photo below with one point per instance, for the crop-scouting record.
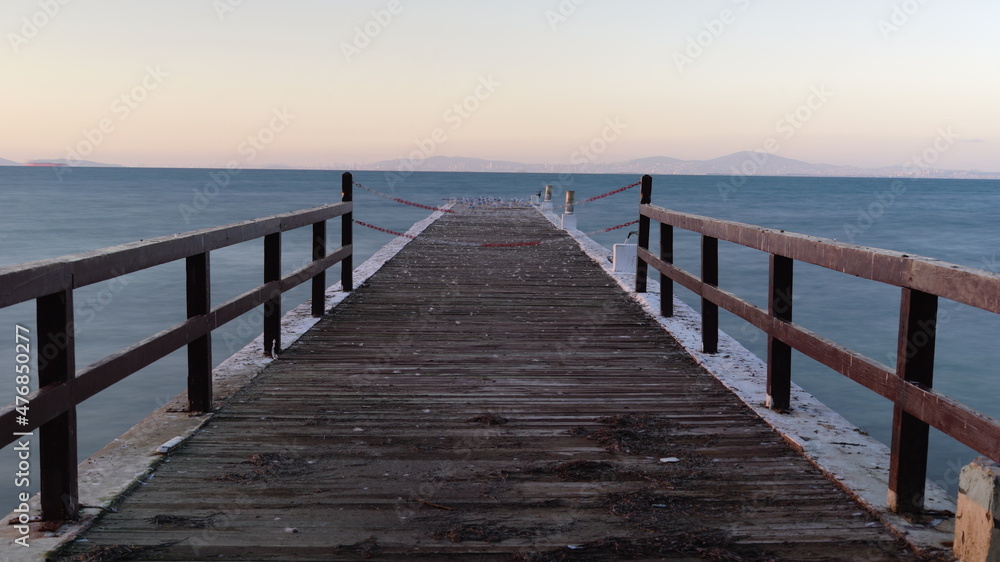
(487, 244)
(609, 194)
(443, 210)
(613, 228)
(449, 242)
(402, 201)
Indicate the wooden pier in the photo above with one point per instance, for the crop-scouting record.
(487, 403)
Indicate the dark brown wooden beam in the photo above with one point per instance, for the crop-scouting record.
(910, 435)
(666, 284)
(319, 281)
(642, 269)
(709, 310)
(199, 351)
(347, 233)
(272, 308)
(57, 451)
(779, 353)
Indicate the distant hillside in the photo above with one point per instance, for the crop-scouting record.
(76, 163)
(455, 164)
(9, 163)
(736, 164)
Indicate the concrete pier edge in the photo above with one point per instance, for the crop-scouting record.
(131, 459)
(850, 457)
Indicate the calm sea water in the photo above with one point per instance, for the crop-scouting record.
(46, 216)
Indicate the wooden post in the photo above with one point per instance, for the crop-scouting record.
(347, 234)
(570, 202)
(319, 282)
(641, 267)
(199, 352)
(57, 454)
(709, 311)
(272, 308)
(779, 354)
(666, 283)
(914, 363)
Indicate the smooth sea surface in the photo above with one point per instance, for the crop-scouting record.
(46, 215)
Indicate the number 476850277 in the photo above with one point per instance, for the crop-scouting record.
(22, 372)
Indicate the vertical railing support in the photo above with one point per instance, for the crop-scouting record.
(666, 283)
(779, 354)
(272, 308)
(319, 282)
(57, 453)
(199, 352)
(914, 364)
(709, 311)
(641, 267)
(347, 234)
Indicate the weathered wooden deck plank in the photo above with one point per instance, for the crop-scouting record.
(488, 404)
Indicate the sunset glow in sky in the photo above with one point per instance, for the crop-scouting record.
(199, 83)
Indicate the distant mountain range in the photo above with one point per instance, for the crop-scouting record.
(60, 162)
(737, 164)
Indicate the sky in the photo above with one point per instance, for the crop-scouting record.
(327, 83)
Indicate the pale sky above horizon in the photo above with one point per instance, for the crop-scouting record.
(533, 80)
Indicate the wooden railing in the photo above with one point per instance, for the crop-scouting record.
(917, 407)
(61, 387)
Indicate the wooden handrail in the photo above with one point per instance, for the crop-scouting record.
(966, 285)
(61, 387)
(909, 385)
(32, 280)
